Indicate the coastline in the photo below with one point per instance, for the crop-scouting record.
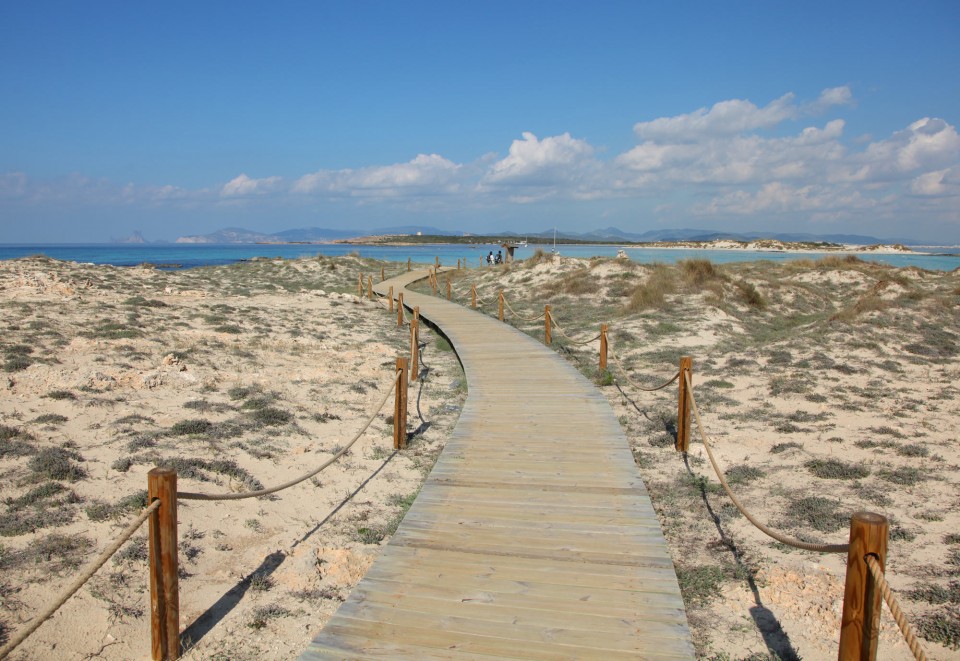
(761, 245)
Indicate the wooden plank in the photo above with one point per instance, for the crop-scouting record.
(533, 537)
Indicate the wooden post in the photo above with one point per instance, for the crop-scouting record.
(860, 621)
(449, 290)
(164, 588)
(416, 313)
(500, 305)
(546, 324)
(400, 407)
(383, 274)
(370, 287)
(683, 411)
(400, 309)
(436, 261)
(433, 283)
(390, 298)
(603, 347)
(414, 348)
(458, 263)
(481, 260)
(473, 296)
(408, 264)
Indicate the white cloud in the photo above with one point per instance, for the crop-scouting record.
(726, 156)
(939, 183)
(425, 174)
(540, 162)
(724, 118)
(13, 184)
(243, 186)
(833, 96)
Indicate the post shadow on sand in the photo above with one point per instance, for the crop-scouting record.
(774, 637)
(211, 617)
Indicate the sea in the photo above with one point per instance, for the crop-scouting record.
(185, 255)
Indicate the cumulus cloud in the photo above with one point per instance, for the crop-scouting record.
(724, 118)
(926, 145)
(425, 174)
(532, 161)
(737, 158)
(939, 183)
(243, 186)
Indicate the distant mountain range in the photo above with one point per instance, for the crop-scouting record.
(608, 234)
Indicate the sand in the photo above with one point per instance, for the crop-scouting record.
(827, 387)
(272, 366)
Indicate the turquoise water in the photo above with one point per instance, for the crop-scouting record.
(193, 255)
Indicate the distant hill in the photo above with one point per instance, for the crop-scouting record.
(135, 237)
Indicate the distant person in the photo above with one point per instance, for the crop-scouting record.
(499, 259)
(490, 259)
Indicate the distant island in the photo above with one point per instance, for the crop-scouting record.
(755, 245)
(659, 238)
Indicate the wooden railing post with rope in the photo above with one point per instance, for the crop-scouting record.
(683, 405)
(390, 298)
(400, 309)
(603, 347)
(161, 512)
(500, 305)
(400, 407)
(860, 621)
(164, 570)
(865, 582)
(473, 296)
(383, 274)
(370, 287)
(436, 263)
(546, 324)
(408, 264)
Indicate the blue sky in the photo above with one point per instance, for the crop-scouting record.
(181, 118)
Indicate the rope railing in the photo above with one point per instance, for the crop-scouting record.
(186, 495)
(633, 383)
(891, 600)
(868, 542)
(556, 325)
(520, 316)
(162, 491)
(92, 569)
(783, 539)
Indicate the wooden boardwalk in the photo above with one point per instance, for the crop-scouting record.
(532, 538)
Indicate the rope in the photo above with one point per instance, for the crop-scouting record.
(894, 607)
(77, 584)
(185, 495)
(783, 539)
(553, 320)
(631, 381)
(517, 314)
